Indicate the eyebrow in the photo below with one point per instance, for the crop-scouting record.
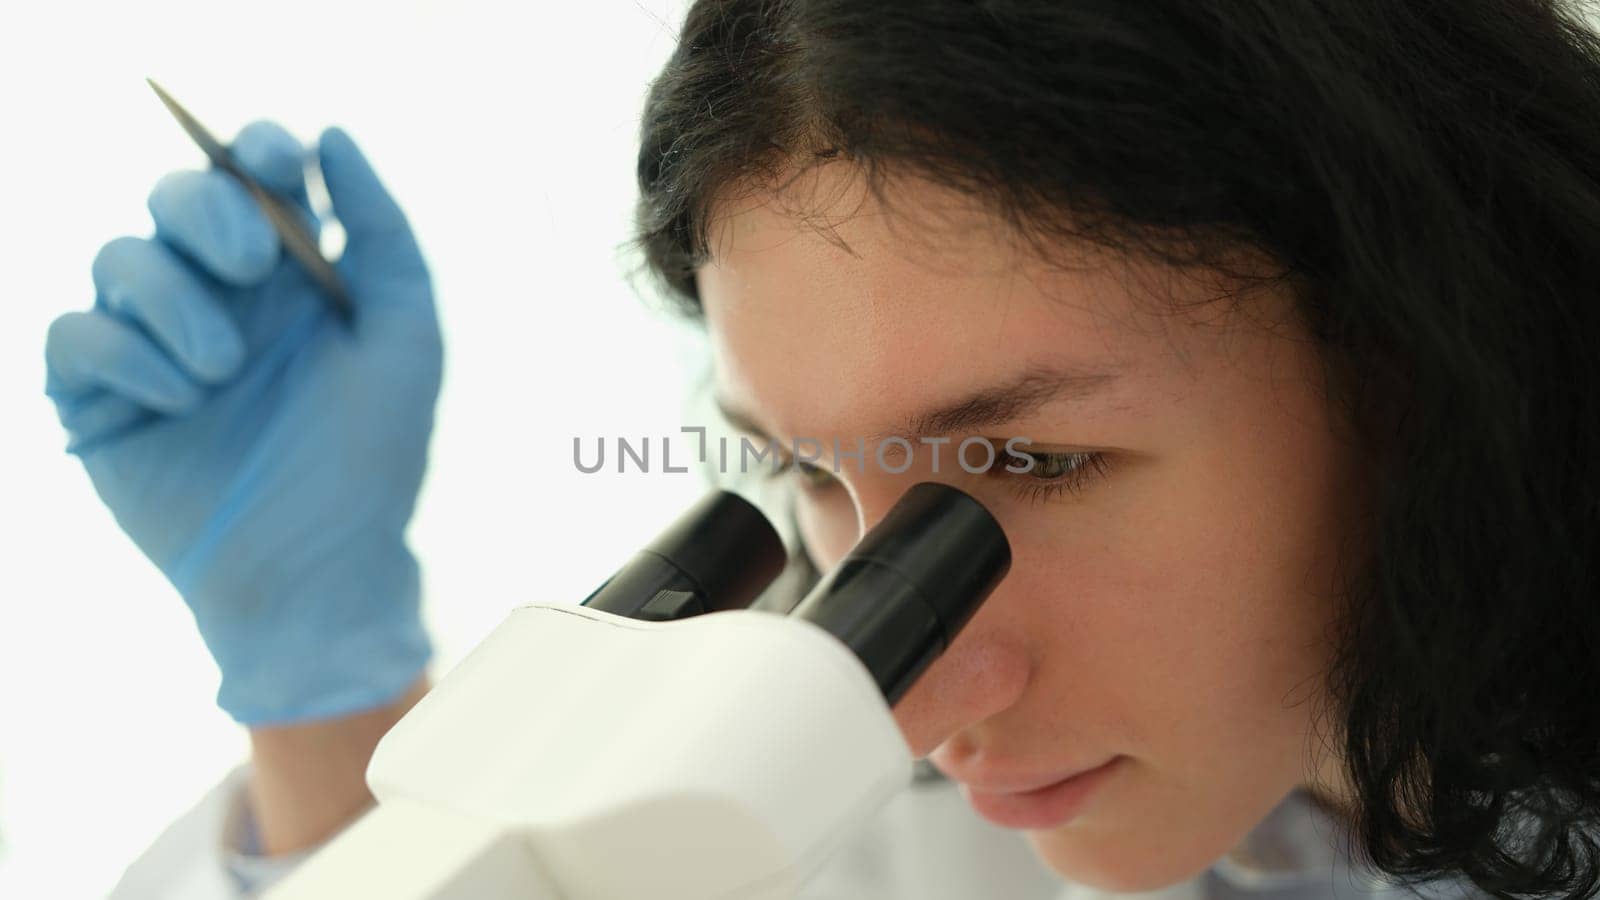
(1009, 401)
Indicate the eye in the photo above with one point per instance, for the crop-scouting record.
(1052, 474)
(810, 476)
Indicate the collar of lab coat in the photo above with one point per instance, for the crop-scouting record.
(1298, 844)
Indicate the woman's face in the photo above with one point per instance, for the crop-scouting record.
(1167, 610)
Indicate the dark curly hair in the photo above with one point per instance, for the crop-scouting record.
(1427, 172)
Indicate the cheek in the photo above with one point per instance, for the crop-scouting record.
(1179, 621)
(1167, 659)
(1181, 649)
(1180, 601)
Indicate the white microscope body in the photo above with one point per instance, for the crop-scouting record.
(719, 756)
(585, 755)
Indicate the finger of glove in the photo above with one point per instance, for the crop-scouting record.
(276, 159)
(97, 416)
(212, 219)
(147, 282)
(86, 351)
(381, 257)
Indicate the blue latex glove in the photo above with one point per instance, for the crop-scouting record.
(262, 454)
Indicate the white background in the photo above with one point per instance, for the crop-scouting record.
(507, 131)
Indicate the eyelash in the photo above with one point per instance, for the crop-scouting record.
(1084, 468)
(806, 470)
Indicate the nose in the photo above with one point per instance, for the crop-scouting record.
(983, 672)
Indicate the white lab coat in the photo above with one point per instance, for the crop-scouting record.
(926, 844)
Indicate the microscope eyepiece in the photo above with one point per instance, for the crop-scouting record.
(720, 554)
(906, 589)
(897, 599)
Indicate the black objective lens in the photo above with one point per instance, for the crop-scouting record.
(906, 589)
(720, 554)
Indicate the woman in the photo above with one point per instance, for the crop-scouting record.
(1291, 301)
(1373, 218)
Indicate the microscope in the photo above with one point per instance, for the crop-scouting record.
(660, 740)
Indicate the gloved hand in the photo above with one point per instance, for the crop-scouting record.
(265, 456)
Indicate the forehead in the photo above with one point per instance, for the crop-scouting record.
(830, 313)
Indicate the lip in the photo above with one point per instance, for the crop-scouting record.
(1032, 805)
